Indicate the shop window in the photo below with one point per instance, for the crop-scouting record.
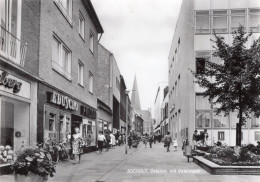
(203, 112)
(254, 20)
(202, 21)
(51, 126)
(100, 125)
(14, 127)
(81, 26)
(91, 42)
(220, 21)
(221, 135)
(61, 123)
(257, 135)
(238, 18)
(91, 82)
(61, 58)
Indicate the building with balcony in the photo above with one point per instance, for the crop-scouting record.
(68, 62)
(191, 46)
(108, 90)
(19, 74)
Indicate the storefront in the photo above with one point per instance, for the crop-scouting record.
(59, 114)
(104, 117)
(18, 111)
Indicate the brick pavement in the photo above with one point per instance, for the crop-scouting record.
(142, 164)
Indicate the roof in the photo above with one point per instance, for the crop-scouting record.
(135, 100)
(92, 13)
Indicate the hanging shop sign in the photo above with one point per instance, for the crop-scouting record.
(62, 101)
(88, 112)
(14, 85)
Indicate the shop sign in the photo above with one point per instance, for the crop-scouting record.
(63, 101)
(88, 112)
(13, 85)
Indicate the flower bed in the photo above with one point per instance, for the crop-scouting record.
(234, 156)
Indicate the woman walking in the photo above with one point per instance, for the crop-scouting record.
(101, 139)
(76, 145)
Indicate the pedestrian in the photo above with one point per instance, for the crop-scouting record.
(154, 139)
(205, 137)
(119, 140)
(101, 139)
(175, 145)
(194, 139)
(108, 139)
(130, 141)
(167, 141)
(113, 140)
(145, 139)
(76, 145)
(151, 138)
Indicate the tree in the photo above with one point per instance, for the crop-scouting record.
(234, 83)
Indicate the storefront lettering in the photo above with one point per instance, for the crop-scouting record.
(9, 82)
(88, 112)
(63, 101)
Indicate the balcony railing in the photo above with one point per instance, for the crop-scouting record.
(11, 47)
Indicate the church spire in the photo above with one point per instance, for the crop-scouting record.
(135, 96)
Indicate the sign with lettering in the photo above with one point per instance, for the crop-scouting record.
(88, 112)
(62, 101)
(14, 85)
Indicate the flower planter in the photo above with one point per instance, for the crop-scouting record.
(30, 178)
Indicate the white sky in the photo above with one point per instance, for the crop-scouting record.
(139, 33)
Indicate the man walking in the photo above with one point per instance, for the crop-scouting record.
(167, 141)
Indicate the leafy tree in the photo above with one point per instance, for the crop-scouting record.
(234, 83)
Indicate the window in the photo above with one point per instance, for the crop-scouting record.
(220, 121)
(91, 42)
(254, 20)
(220, 21)
(255, 122)
(201, 58)
(81, 26)
(51, 126)
(203, 112)
(234, 119)
(221, 135)
(61, 58)
(176, 55)
(90, 82)
(257, 135)
(80, 73)
(216, 59)
(65, 7)
(202, 21)
(238, 17)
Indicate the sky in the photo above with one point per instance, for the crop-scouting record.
(139, 34)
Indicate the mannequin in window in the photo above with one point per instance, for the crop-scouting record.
(76, 145)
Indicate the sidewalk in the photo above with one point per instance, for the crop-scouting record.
(139, 165)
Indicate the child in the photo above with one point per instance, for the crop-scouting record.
(175, 145)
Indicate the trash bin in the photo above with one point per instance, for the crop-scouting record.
(188, 149)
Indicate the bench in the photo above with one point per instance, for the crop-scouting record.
(189, 156)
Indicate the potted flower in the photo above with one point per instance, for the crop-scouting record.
(33, 164)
